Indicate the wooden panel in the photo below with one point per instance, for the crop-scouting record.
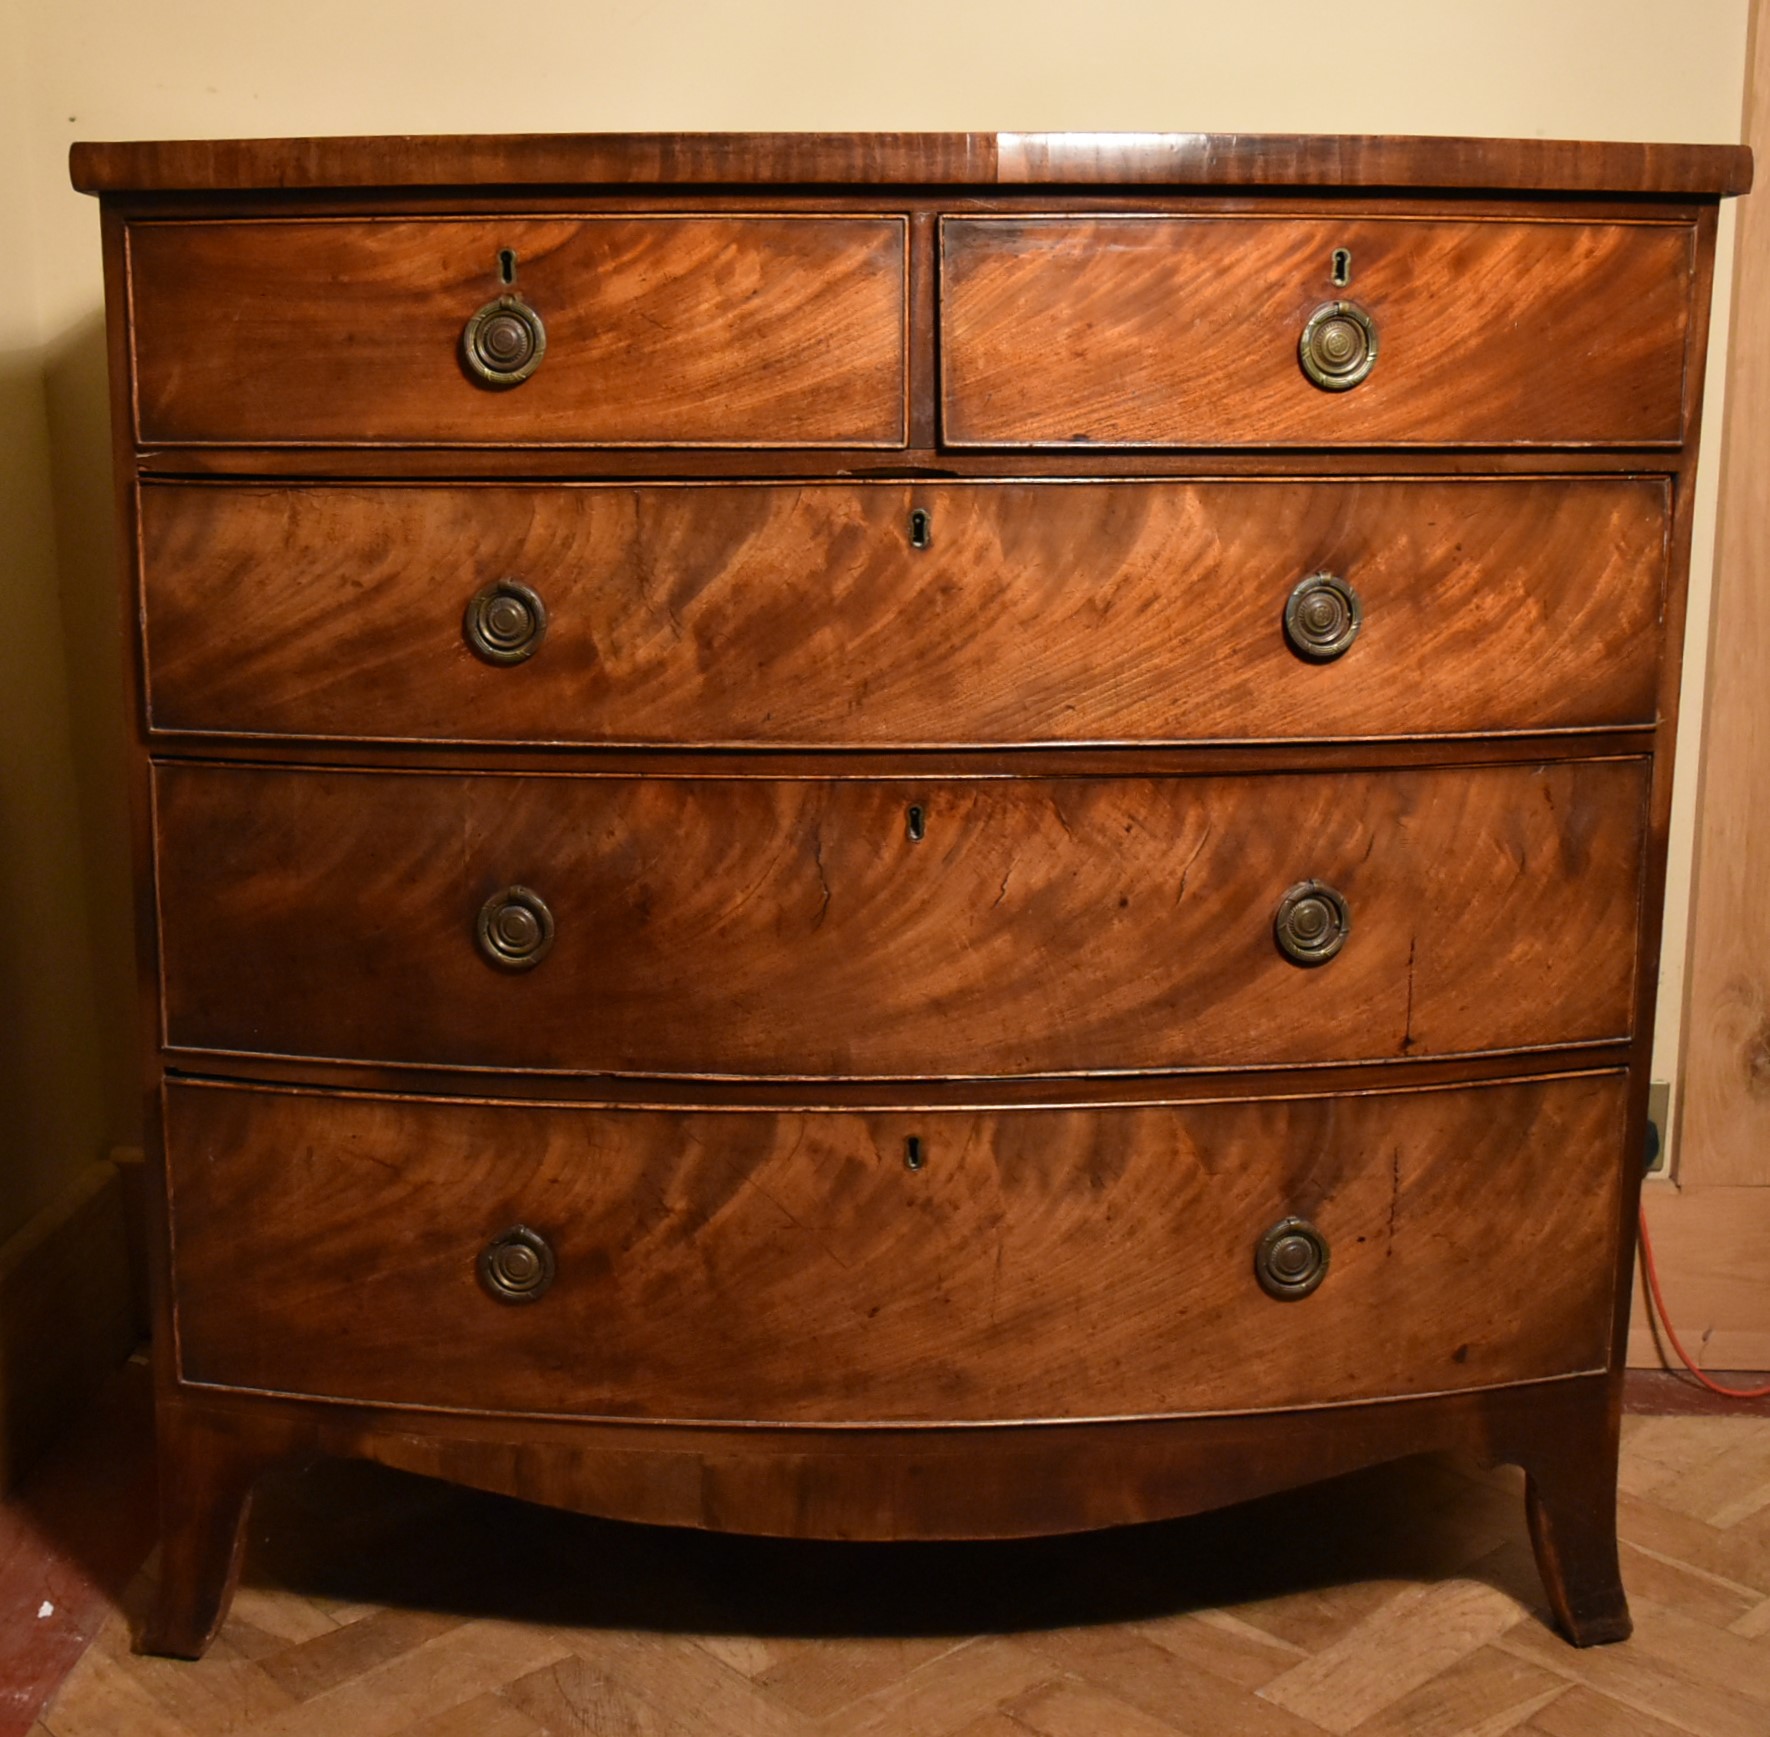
(792, 1268)
(776, 331)
(1127, 331)
(1212, 160)
(1724, 1132)
(793, 927)
(1709, 1243)
(1040, 612)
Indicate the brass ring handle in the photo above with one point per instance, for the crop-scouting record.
(518, 1266)
(515, 929)
(1291, 1259)
(1322, 617)
(503, 343)
(505, 623)
(1311, 923)
(1338, 347)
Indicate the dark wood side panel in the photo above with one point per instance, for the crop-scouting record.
(795, 927)
(1040, 612)
(792, 1268)
(684, 331)
(1138, 331)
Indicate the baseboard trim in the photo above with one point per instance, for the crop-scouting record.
(1710, 1246)
(68, 1314)
(1661, 1393)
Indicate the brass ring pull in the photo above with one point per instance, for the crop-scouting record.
(505, 623)
(1338, 347)
(515, 929)
(1311, 923)
(1322, 617)
(504, 342)
(518, 1266)
(1291, 1259)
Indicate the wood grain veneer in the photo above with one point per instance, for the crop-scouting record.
(647, 160)
(1089, 612)
(793, 1269)
(850, 842)
(1046, 926)
(1154, 331)
(690, 331)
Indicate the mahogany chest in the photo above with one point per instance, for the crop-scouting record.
(900, 837)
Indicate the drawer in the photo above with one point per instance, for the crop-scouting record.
(1175, 331)
(798, 927)
(765, 615)
(792, 1268)
(685, 331)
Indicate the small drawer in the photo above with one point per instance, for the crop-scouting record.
(680, 331)
(830, 615)
(1180, 331)
(779, 1267)
(884, 928)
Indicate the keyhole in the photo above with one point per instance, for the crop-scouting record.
(912, 1153)
(507, 265)
(921, 529)
(916, 825)
(1342, 266)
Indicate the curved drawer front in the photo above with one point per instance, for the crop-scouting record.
(686, 331)
(1036, 612)
(1166, 331)
(801, 927)
(792, 1268)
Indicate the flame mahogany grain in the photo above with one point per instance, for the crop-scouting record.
(1078, 354)
(1041, 1264)
(1156, 331)
(677, 331)
(755, 615)
(1051, 926)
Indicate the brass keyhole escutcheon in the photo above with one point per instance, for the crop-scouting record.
(1322, 617)
(515, 929)
(505, 623)
(1311, 923)
(1338, 347)
(518, 1266)
(503, 343)
(1291, 1259)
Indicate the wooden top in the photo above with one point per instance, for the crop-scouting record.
(1204, 160)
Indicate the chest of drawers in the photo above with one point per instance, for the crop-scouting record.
(900, 837)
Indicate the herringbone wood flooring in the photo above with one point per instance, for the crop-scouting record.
(1397, 1603)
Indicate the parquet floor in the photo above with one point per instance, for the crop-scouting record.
(1395, 1603)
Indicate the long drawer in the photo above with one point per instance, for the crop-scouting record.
(1186, 331)
(794, 1268)
(684, 331)
(888, 928)
(769, 615)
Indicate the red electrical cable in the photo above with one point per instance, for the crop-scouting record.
(1665, 1320)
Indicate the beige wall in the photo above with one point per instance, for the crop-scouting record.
(1635, 69)
(53, 1065)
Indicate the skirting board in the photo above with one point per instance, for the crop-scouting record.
(68, 1314)
(1710, 1245)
